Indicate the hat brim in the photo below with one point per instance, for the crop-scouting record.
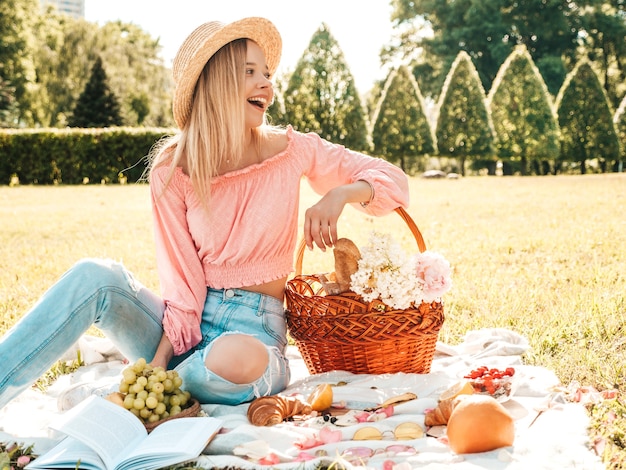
(204, 42)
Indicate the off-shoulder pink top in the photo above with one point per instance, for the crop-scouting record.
(249, 234)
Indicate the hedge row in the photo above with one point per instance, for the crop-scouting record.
(76, 156)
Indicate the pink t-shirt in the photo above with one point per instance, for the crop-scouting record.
(249, 235)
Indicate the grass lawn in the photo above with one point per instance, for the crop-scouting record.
(544, 256)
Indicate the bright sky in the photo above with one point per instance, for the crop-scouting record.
(361, 27)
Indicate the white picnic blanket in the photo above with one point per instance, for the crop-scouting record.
(551, 431)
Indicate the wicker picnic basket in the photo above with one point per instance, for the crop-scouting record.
(343, 332)
(191, 411)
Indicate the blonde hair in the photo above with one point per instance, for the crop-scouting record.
(215, 131)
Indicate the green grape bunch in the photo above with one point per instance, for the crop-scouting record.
(152, 393)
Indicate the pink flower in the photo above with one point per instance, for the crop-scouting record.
(362, 417)
(435, 274)
(23, 460)
(304, 457)
(391, 465)
(308, 443)
(326, 436)
(387, 411)
(388, 465)
(380, 414)
(270, 459)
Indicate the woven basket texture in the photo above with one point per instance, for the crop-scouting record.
(191, 411)
(343, 332)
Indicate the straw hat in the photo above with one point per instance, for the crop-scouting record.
(205, 41)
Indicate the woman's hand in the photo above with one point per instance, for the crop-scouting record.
(164, 353)
(320, 220)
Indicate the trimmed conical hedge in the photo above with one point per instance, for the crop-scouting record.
(523, 114)
(401, 132)
(585, 118)
(464, 128)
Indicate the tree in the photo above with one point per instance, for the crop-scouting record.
(401, 132)
(140, 104)
(16, 68)
(276, 111)
(134, 68)
(66, 50)
(522, 113)
(97, 106)
(463, 126)
(550, 31)
(321, 95)
(7, 104)
(620, 125)
(604, 24)
(488, 30)
(66, 53)
(585, 118)
(372, 98)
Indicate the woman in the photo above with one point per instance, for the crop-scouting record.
(225, 197)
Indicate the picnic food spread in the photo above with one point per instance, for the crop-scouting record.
(558, 439)
(474, 422)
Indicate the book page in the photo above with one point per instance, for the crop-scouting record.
(110, 430)
(173, 442)
(66, 454)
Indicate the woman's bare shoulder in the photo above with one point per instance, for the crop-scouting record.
(276, 141)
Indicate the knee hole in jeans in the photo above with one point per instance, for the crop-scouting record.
(238, 358)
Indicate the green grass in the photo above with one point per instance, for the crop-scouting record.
(543, 256)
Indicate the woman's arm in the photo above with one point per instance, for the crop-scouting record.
(320, 220)
(343, 176)
(181, 274)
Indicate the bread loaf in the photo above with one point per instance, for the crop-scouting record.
(478, 423)
(347, 256)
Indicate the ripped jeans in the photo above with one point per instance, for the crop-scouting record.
(103, 293)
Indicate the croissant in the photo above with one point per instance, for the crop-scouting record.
(267, 411)
(441, 413)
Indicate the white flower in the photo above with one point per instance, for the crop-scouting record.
(386, 273)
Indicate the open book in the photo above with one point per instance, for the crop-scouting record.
(104, 436)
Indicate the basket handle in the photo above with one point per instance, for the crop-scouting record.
(400, 211)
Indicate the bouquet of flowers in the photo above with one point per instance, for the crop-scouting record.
(387, 273)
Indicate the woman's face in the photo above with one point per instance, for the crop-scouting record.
(258, 89)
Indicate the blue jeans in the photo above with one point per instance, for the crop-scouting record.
(105, 294)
